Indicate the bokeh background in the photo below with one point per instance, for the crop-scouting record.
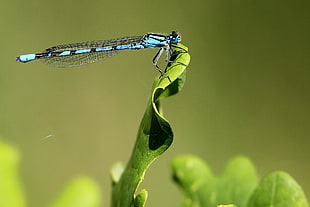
(247, 90)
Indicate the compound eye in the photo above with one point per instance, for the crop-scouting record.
(174, 34)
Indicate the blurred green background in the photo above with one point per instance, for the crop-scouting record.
(247, 90)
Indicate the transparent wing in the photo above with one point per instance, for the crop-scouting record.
(78, 59)
(86, 58)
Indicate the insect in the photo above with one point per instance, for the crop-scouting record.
(77, 54)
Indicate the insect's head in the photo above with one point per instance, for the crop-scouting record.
(175, 37)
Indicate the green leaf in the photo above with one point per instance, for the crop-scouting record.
(237, 182)
(140, 199)
(11, 193)
(278, 189)
(80, 192)
(196, 180)
(155, 134)
(202, 188)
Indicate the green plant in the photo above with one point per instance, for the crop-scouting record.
(238, 186)
(154, 135)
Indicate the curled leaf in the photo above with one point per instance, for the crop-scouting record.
(155, 134)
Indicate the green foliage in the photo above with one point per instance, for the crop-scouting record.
(238, 185)
(80, 192)
(278, 189)
(154, 135)
(11, 193)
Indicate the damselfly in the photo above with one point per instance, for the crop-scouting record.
(76, 54)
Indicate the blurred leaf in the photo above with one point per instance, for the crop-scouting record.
(116, 172)
(238, 182)
(11, 194)
(202, 188)
(278, 189)
(196, 180)
(155, 134)
(80, 192)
